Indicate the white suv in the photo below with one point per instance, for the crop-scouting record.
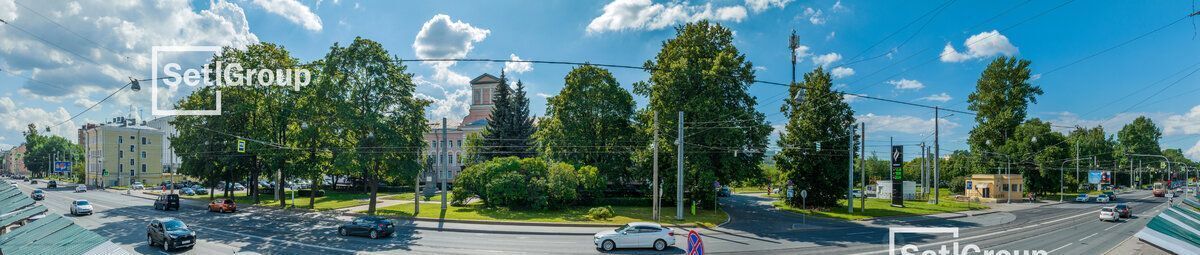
(635, 235)
(137, 186)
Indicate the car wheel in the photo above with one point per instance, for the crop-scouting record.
(341, 232)
(660, 245)
(374, 234)
(608, 245)
(167, 245)
(150, 240)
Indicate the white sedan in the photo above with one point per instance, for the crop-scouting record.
(81, 188)
(636, 235)
(1102, 198)
(81, 207)
(1083, 198)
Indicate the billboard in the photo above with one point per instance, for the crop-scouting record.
(62, 166)
(1098, 177)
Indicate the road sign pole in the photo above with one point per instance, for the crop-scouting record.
(654, 182)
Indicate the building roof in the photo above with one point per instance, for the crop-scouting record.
(51, 234)
(485, 78)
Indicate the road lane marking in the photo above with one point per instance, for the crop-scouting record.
(1059, 248)
(241, 234)
(1113, 226)
(1089, 236)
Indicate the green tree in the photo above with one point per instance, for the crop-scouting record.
(1001, 98)
(814, 147)
(590, 122)
(1140, 137)
(1035, 137)
(701, 73)
(1089, 142)
(43, 150)
(509, 130)
(380, 112)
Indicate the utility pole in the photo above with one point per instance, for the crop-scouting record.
(850, 170)
(1077, 161)
(654, 181)
(793, 44)
(679, 170)
(936, 157)
(445, 163)
(924, 176)
(863, 177)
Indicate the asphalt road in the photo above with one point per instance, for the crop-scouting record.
(753, 229)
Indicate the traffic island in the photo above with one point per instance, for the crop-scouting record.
(569, 216)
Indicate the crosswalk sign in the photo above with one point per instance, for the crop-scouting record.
(241, 146)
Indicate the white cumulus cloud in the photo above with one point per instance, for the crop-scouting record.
(1194, 152)
(293, 11)
(826, 59)
(903, 124)
(841, 72)
(1183, 124)
(906, 84)
(441, 37)
(762, 5)
(943, 97)
(982, 45)
(621, 15)
(517, 67)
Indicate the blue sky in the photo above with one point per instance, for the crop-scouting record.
(1108, 89)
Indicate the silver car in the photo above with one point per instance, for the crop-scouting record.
(635, 235)
(81, 207)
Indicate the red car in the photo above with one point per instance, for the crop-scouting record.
(222, 205)
(1124, 210)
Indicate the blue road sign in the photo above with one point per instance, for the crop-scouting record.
(695, 245)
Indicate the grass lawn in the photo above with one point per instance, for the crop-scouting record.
(408, 196)
(876, 207)
(574, 214)
(751, 189)
(331, 200)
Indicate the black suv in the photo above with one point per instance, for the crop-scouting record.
(167, 202)
(373, 227)
(170, 233)
(51, 184)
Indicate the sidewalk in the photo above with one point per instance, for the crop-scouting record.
(1135, 246)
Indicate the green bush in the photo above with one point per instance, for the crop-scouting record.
(957, 185)
(527, 183)
(601, 213)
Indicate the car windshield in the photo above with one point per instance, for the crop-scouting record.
(81, 202)
(622, 228)
(174, 225)
(37, 191)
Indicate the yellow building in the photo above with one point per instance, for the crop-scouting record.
(118, 155)
(994, 187)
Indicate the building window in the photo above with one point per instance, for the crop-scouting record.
(120, 168)
(130, 172)
(120, 139)
(131, 162)
(143, 168)
(143, 140)
(460, 143)
(120, 154)
(131, 148)
(143, 154)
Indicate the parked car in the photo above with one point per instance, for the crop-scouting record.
(222, 205)
(37, 194)
(373, 227)
(238, 187)
(81, 207)
(635, 235)
(51, 184)
(1124, 210)
(1082, 198)
(170, 233)
(857, 193)
(137, 186)
(1102, 198)
(187, 191)
(200, 190)
(81, 188)
(1109, 214)
(1112, 196)
(723, 192)
(167, 202)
